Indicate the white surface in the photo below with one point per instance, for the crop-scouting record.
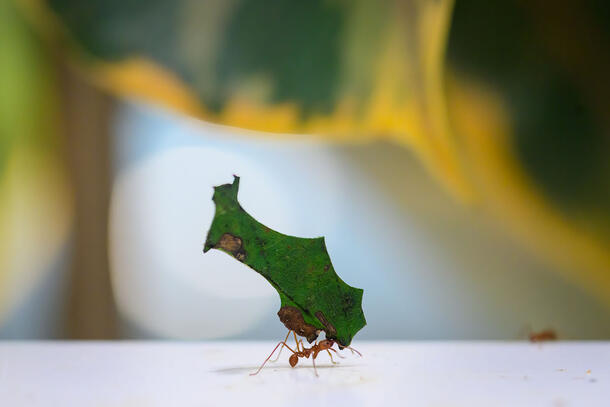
(390, 373)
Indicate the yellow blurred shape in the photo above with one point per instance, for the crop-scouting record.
(144, 79)
(36, 217)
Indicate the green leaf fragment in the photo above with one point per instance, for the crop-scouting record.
(298, 268)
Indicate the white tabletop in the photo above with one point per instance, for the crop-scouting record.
(390, 373)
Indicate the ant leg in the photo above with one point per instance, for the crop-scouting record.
(337, 353)
(281, 349)
(295, 340)
(271, 354)
(313, 360)
(331, 357)
(354, 351)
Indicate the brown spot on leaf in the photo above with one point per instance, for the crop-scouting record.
(229, 243)
(292, 318)
(327, 267)
(330, 329)
(233, 245)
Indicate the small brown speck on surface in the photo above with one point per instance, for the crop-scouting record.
(589, 371)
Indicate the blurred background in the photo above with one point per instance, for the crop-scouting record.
(455, 155)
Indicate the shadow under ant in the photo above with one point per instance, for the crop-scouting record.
(246, 369)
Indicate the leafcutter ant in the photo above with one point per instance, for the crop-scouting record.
(304, 352)
(542, 336)
(545, 335)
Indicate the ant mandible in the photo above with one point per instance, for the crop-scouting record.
(303, 352)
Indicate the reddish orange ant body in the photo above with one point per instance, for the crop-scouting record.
(543, 336)
(303, 352)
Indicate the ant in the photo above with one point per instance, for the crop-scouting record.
(303, 352)
(543, 336)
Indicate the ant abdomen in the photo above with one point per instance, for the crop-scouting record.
(294, 359)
